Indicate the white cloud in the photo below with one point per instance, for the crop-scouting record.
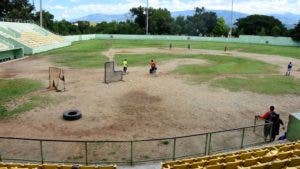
(57, 7)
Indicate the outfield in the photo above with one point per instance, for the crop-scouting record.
(194, 91)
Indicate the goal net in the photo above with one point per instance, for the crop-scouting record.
(110, 75)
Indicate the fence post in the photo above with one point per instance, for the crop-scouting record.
(41, 151)
(206, 142)
(209, 142)
(131, 153)
(243, 135)
(86, 153)
(174, 149)
(255, 118)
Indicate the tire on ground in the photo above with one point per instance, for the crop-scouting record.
(72, 115)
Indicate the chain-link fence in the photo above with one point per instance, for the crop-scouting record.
(131, 152)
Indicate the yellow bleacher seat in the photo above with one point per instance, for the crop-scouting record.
(250, 162)
(32, 166)
(88, 167)
(232, 165)
(294, 162)
(182, 166)
(3, 168)
(296, 153)
(297, 146)
(260, 166)
(231, 158)
(214, 161)
(284, 155)
(268, 158)
(197, 164)
(278, 164)
(218, 166)
(245, 156)
(50, 166)
(65, 166)
(108, 167)
(284, 148)
(259, 153)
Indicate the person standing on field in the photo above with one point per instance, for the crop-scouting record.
(289, 69)
(125, 64)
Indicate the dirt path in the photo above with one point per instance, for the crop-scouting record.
(280, 61)
(142, 106)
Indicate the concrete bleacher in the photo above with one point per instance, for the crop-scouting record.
(3, 46)
(50, 166)
(32, 36)
(282, 156)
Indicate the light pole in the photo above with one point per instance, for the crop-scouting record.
(41, 14)
(230, 31)
(147, 17)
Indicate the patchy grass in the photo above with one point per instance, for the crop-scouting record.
(272, 85)
(251, 48)
(82, 54)
(11, 89)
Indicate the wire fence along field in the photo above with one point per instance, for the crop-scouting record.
(130, 152)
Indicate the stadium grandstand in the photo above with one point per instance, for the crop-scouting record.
(279, 156)
(28, 36)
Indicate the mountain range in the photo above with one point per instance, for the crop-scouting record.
(288, 19)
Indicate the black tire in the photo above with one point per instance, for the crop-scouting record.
(72, 115)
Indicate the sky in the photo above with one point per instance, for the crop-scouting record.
(72, 9)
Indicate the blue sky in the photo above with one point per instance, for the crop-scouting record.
(70, 9)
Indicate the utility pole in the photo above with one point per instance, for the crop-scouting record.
(230, 31)
(147, 17)
(41, 14)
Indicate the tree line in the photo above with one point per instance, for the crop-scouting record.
(201, 23)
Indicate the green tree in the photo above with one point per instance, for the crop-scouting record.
(295, 33)
(160, 21)
(201, 23)
(5, 7)
(221, 29)
(48, 19)
(19, 9)
(254, 24)
(84, 27)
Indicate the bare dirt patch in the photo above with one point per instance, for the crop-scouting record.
(142, 106)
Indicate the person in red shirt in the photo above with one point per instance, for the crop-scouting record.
(271, 129)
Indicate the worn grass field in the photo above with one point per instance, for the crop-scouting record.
(88, 54)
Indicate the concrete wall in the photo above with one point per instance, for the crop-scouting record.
(293, 131)
(282, 41)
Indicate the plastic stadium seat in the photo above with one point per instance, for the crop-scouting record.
(259, 153)
(65, 166)
(278, 164)
(284, 148)
(88, 167)
(197, 164)
(297, 146)
(231, 158)
(296, 153)
(250, 162)
(107, 167)
(266, 159)
(214, 161)
(218, 166)
(294, 162)
(232, 165)
(261, 166)
(183, 166)
(3, 168)
(245, 156)
(50, 166)
(284, 155)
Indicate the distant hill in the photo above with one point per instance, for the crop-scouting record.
(289, 19)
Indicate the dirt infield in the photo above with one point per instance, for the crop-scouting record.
(142, 106)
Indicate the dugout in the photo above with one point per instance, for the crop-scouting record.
(10, 54)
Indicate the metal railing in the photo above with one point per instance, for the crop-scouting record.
(16, 20)
(130, 152)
